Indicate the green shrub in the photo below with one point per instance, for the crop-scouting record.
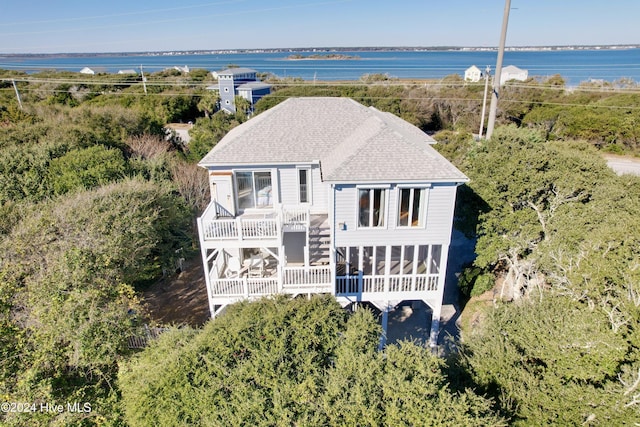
(86, 168)
(474, 281)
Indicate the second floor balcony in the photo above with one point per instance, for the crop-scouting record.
(257, 224)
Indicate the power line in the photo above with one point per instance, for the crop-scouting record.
(418, 83)
(173, 19)
(363, 97)
(115, 15)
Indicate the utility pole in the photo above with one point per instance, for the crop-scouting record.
(496, 76)
(484, 99)
(144, 80)
(17, 93)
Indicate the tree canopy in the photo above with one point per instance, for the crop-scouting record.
(560, 234)
(284, 362)
(95, 200)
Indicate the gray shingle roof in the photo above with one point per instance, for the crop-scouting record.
(353, 143)
(254, 86)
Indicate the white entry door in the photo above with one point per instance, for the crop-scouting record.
(224, 195)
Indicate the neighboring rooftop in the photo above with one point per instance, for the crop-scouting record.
(235, 71)
(353, 143)
(254, 85)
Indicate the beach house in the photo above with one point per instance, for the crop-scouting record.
(325, 195)
(511, 72)
(472, 74)
(242, 82)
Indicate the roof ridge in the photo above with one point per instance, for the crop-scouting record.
(353, 143)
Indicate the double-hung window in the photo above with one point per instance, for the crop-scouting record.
(254, 189)
(411, 207)
(304, 185)
(371, 207)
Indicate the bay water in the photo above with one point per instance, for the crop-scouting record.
(575, 66)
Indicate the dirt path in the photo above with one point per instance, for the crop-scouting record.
(180, 299)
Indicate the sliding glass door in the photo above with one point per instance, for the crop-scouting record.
(254, 189)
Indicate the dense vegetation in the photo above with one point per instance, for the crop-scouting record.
(293, 362)
(560, 234)
(95, 201)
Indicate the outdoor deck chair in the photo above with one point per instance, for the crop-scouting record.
(256, 266)
(233, 268)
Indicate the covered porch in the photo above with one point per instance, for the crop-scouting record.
(234, 274)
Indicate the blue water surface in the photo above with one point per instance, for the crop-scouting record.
(574, 65)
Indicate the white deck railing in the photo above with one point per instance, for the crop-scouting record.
(376, 284)
(318, 279)
(295, 215)
(240, 228)
(294, 279)
(258, 228)
(306, 276)
(245, 287)
(216, 225)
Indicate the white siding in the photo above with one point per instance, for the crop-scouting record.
(289, 188)
(321, 191)
(442, 199)
(440, 205)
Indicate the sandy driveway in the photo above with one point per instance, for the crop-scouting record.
(623, 164)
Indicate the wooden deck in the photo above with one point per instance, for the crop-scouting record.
(290, 280)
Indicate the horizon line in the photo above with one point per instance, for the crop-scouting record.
(333, 48)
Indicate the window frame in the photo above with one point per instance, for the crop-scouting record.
(307, 170)
(384, 203)
(422, 209)
(253, 188)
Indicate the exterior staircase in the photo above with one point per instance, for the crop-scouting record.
(319, 245)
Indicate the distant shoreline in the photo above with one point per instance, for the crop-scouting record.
(321, 50)
(327, 57)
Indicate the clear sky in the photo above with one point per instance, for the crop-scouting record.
(49, 26)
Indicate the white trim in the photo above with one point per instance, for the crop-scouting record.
(456, 181)
(409, 185)
(384, 210)
(249, 166)
(372, 186)
(309, 184)
(422, 210)
(274, 190)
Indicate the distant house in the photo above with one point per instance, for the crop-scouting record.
(184, 69)
(472, 74)
(511, 72)
(93, 70)
(129, 71)
(325, 195)
(242, 82)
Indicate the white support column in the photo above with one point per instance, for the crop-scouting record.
(385, 324)
(239, 228)
(332, 267)
(442, 272)
(282, 263)
(414, 267)
(387, 267)
(436, 306)
(360, 270)
(435, 324)
(205, 265)
(305, 250)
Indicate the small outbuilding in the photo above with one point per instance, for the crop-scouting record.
(472, 74)
(511, 72)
